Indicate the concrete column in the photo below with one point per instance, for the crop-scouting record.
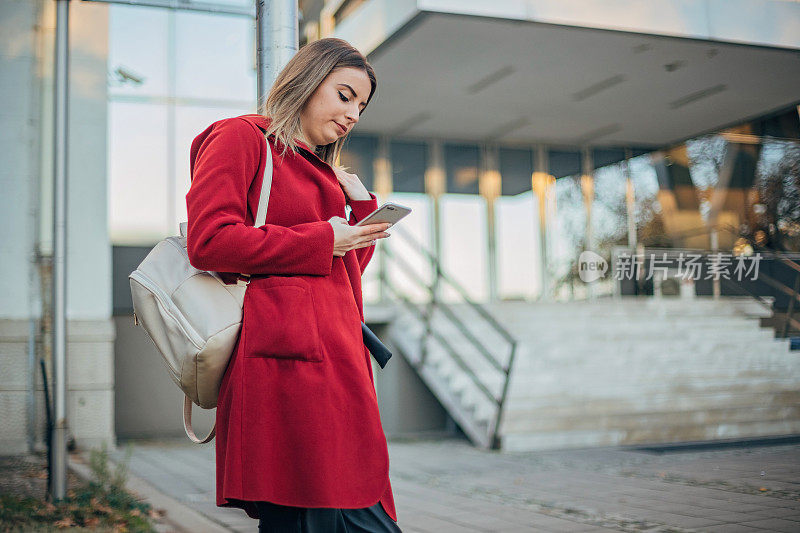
(587, 187)
(630, 200)
(382, 170)
(540, 183)
(489, 184)
(26, 235)
(435, 185)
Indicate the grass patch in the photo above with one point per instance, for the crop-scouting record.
(101, 504)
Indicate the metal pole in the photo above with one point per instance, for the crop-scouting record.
(277, 39)
(172, 76)
(61, 92)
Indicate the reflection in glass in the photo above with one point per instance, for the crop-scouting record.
(137, 45)
(464, 245)
(138, 173)
(221, 67)
(517, 246)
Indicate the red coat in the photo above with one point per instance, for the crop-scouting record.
(297, 418)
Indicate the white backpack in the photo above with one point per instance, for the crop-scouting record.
(191, 315)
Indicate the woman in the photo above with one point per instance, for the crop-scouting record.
(299, 439)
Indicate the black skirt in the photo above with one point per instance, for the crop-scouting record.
(274, 518)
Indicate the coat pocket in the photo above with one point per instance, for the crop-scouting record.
(279, 320)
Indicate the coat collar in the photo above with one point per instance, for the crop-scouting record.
(263, 122)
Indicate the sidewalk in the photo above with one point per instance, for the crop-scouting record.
(449, 486)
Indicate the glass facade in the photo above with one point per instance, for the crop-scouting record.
(168, 81)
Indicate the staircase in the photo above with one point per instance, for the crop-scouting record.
(635, 370)
(611, 372)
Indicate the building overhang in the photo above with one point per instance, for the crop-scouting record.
(527, 76)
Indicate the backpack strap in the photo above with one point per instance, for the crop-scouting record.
(263, 200)
(266, 187)
(261, 217)
(187, 423)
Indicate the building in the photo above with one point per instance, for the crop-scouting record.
(503, 124)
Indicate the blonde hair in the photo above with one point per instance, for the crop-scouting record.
(297, 82)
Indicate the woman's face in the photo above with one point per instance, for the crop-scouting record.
(333, 108)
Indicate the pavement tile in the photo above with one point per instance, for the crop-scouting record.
(777, 512)
(775, 524)
(448, 485)
(433, 524)
(732, 516)
(732, 528)
(677, 520)
(552, 524)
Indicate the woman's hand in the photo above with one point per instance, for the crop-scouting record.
(347, 237)
(352, 186)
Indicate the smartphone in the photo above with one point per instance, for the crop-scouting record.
(388, 212)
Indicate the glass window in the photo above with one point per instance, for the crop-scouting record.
(359, 156)
(149, 140)
(602, 157)
(516, 169)
(136, 50)
(517, 246)
(461, 166)
(214, 55)
(464, 245)
(609, 209)
(564, 163)
(566, 235)
(138, 173)
(649, 223)
(409, 162)
(419, 226)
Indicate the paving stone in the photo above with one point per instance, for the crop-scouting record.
(774, 524)
(776, 512)
(448, 485)
(732, 528)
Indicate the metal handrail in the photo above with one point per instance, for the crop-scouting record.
(458, 323)
(453, 318)
(792, 292)
(452, 351)
(457, 286)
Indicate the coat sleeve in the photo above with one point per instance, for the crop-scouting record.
(359, 210)
(224, 163)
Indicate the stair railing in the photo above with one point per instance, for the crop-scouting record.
(425, 316)
(792, 292)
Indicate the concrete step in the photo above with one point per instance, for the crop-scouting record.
(610, 372)
(622, 309)
(645, 434)
(541, 389)
(630, 422)
(557, 392)
(690, 406)
(765, 355)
